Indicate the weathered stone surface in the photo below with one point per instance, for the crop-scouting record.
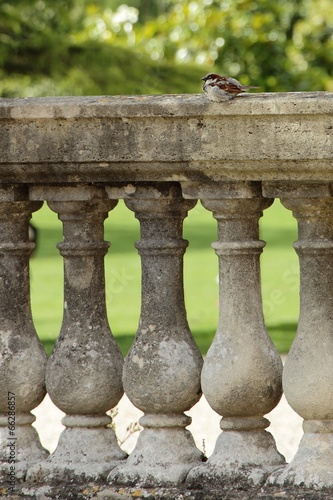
(22, 356)
(276, 145)
(87, 491)
(308, 371)
(83, 374)
(162, 369)
(171, 137)
(241, 376)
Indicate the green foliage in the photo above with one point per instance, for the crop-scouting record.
(106, 75)
(105, 47)
(283, 46)
(63, 49)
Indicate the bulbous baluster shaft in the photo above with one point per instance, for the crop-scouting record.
(308, 371)
(22, 357)
(83, 375)
(162, 369)
(241, 376)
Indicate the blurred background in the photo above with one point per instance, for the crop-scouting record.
(84, 47)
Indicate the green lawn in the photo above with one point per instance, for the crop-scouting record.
(279, 276)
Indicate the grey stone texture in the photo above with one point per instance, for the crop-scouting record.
(171, 137)
(241, 376)
(22, 357)
(162, 154)
(83, 373)
(308, 370)
(162, 370)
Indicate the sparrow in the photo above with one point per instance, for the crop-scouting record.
(222, 88)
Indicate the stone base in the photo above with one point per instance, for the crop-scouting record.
(245, 458)
(312, 466)
(82, 454)
(162, 457)
(208, 476)
(98, 491)
(18, 454)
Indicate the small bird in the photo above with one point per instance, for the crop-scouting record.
(222, 88)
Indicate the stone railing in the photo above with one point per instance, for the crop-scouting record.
(162, 154)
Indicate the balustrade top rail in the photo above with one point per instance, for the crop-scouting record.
(284, 136)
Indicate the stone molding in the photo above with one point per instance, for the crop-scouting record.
(282, 136)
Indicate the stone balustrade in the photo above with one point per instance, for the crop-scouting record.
(162, 154)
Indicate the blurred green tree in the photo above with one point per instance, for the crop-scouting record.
(282, 46)
(149, 46)
(79, 47)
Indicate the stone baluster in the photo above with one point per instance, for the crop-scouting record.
(83, 374)
(22, 357)
(308, 371)
(162, 370)
(241, 377)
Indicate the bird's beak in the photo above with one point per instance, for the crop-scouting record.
(202, 78)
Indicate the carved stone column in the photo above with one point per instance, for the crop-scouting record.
(22, 357)
(241, 377)
(83, 375)
(162, 369)
(308, 371)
